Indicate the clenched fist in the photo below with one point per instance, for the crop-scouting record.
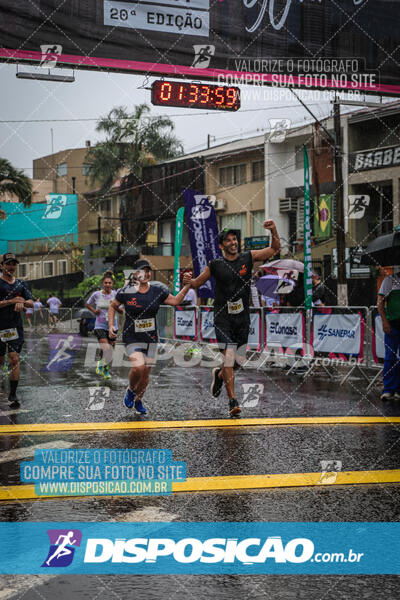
(269, 224)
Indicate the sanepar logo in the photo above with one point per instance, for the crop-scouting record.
(191, 550)
(324, 332)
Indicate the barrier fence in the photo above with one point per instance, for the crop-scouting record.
(64, 320)
(294, 338)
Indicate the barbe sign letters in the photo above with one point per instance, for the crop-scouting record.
(377, 159)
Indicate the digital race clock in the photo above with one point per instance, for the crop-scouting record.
(195, 95)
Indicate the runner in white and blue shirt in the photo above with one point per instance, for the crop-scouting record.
(141, 300)
(99, 303)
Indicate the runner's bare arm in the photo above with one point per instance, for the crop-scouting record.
(178, 299)
(28, 303)
(9, 301)
(200, 280)
(95, 311)
(275, 247)
(382, 313)
(111, 315)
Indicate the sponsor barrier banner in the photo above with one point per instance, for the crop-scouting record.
(185, 323)
(255, 338)
(338, 334)
(203, 235)
(378, 339)
(207, 330)
(200, 548)
(284, 330)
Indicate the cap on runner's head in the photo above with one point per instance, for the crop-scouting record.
(142, 263)
(9, 257)
(224, 233)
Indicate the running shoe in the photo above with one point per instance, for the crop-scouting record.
(216, 383)
(129, 399)
(13, 401)
(139, 407)
(99, 368)
(234, 408)
(387, 396)
(106, 372)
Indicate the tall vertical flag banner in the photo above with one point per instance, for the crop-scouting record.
(178, 246)
(203, 235)
(307, 235)
(323, 216)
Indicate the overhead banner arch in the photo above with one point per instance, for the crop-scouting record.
(325, 44)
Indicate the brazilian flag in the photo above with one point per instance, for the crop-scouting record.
(323, 216)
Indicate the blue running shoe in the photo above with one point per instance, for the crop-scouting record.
(139, 407)
(129, 399)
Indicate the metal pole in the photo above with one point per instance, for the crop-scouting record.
(99, 230)
(342, 298)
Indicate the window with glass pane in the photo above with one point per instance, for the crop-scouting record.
(62, 267)
(48, 268)
(86, 169)
(257, 220)
(233, 175)
(257, 169)
(235, 221)
(22, 269)
(62, 169)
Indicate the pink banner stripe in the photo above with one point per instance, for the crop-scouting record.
(165, 69)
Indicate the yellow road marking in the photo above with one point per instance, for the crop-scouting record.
(240, 482)
(209, 423)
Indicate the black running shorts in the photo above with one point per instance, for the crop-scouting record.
(11, 346)
(232, 331)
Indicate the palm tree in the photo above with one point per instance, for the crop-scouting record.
(133, 140)
(13, 181)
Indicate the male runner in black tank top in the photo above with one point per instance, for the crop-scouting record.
(232, 275)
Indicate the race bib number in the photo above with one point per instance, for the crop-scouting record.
(6, 335)
(234, 308)
(145, 325)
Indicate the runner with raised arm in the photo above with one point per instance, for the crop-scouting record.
(232, 275)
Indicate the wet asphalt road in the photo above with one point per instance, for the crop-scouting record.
(181, 392)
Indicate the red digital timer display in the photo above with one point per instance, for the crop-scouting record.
(195, 95)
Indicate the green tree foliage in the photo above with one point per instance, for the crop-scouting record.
(14, 181)
(133, 140)
(90, 284)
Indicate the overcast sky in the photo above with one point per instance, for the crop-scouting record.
(94, 94)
